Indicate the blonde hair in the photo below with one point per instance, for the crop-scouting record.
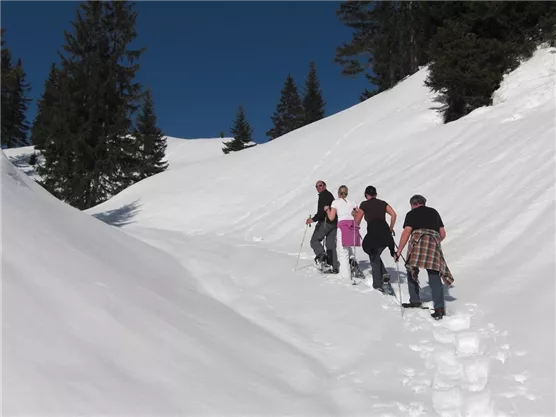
(343, 191)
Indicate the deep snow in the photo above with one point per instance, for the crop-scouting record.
(191, 304)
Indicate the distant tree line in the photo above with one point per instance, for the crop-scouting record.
(97, 129)
(292, 112)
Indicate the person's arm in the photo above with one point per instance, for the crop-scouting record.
(393, 216)
(358, 215)
(441, 229)
(403, 240)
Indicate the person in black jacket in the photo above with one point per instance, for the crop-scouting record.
(325, 228)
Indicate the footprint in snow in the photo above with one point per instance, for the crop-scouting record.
(456, 356)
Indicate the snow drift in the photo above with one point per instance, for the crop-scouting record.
(96, 322)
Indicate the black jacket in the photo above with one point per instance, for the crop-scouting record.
(325, 199)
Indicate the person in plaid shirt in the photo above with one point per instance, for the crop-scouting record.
(424, 230)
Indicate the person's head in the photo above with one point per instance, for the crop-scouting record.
(343, 191)
(320, 186)
(370, 192)
(417, 201)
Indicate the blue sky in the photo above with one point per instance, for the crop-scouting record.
(203, 59)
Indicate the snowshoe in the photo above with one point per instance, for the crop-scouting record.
(357, 275)
(386, 286)
(414, 305)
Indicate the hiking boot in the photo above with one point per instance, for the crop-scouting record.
(329, 256)
(320, 259)
(438, 313)
(411, 305)
(331, 271)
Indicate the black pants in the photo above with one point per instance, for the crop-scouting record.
(379, 270)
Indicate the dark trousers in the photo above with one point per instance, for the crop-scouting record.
(435, 283)
(377, 266)
(325, 231)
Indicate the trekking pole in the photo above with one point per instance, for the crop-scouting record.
(325, 239)
(405, 262)
(354, 248)
(399, 287)
(302, 241)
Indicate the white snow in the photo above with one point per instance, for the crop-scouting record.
(190, 306)
(19, 157)
(188, 151)
(178, 152)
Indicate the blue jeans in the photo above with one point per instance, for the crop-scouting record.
(436, 288)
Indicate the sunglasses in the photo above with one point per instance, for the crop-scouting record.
(318, 185)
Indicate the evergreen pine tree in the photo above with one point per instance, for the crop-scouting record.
(289, 114)
(91, 153)
(14, 101)
(16, 107)
(375, 46)
(46, 109)
(151, 141)
(390, 40)
(313, 103)
(242, 133)
(547, 23)
(466, 69)
(471, 52)
(7, 85)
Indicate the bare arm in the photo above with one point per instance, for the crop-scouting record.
(393, 216)
(358, 216)
(442, 234)
(403, 240)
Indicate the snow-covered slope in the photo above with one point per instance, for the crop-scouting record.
(490, 174)
(19, 157)
(95, 322)
(179, 153)
(188, 151)
(214, 322)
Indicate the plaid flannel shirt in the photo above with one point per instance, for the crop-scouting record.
(424, 251)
